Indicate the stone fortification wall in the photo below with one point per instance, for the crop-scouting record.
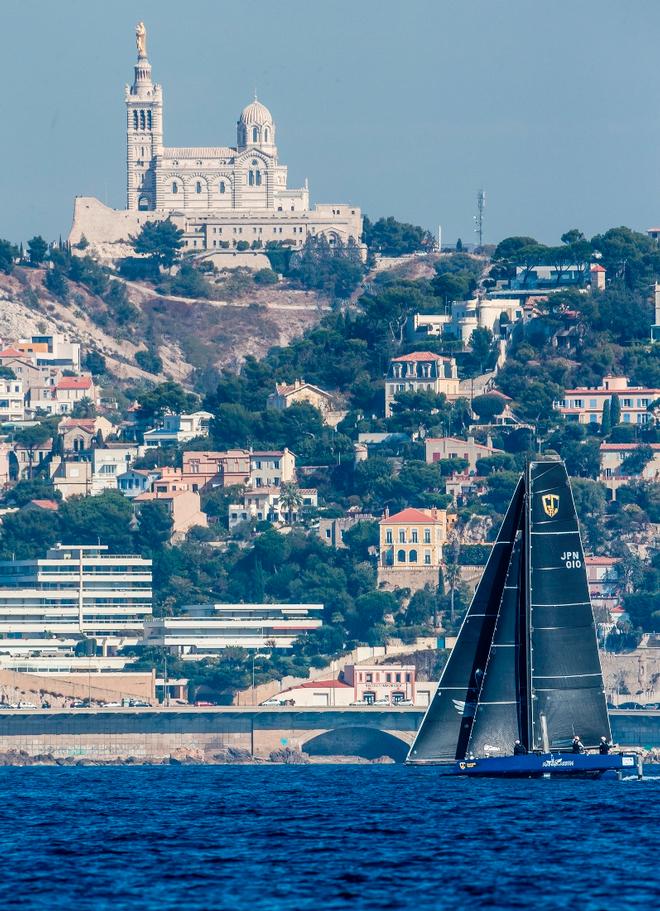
(102, 225)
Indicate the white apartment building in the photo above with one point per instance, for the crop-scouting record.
(615, 473)
(439, 448)
(12, 407)
(48, 606)
(178, 428)
(206, 629)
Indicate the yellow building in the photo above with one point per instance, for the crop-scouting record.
(411, 545)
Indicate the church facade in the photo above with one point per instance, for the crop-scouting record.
(221, 197)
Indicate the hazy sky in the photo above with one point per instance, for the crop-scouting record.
(403, 107)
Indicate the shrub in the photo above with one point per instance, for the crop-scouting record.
(266, 277)
(149, 361)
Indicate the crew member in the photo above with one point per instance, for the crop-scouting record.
(578, 746)
(604, 746)
(519, 749)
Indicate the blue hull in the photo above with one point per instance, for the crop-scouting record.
(556, 765)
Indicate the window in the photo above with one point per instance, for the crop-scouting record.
(135, 120)
(388, 536)
(414, 536)
(255, 134)
(592, 403)
(257, 178)
(198, 187)
(412, 557)
(427, 536)
(397, 678)
(427, 557)
(142, 121)
(251, 178)
(175, 187)
(148, 120)
(402, 536)
(401, 556)
(266, 135)
(627, 403)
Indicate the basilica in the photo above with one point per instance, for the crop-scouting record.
(223, 198)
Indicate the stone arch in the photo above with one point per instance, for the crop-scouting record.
(369, 743)
(197, 192)
(144, 203)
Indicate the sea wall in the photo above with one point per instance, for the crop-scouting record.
(155, 734)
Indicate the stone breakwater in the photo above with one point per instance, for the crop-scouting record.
(186, 757)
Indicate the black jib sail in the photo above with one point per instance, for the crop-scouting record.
(566, 679)
(445, 730)
(525, 665)
(498, 720)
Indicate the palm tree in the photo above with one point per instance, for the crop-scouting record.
(291, 500)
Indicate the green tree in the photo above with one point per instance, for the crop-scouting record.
(161, 241)
(28, 534)
(37, 249)
(488, 406)
(105, 518)
(154, 526)
(615, 410)
(168, 397)
(394, 238)
(481, 343)
(606, 419)
(31, 439)
(8, 254)
(291, 500)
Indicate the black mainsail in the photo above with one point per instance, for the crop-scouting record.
(445, 730)
(525, 665)
(566, 678)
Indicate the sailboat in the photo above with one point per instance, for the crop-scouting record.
(525, 666)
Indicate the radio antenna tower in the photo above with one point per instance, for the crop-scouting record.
(479, 217)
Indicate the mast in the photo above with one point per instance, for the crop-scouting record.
(525, 679)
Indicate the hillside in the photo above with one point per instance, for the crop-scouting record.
(187, 333)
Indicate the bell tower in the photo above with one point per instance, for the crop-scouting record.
(144, 130)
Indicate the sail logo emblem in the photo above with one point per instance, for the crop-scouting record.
(550, 504)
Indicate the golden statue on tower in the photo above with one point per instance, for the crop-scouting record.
(141, 39)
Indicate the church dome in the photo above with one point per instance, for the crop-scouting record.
(256, 113)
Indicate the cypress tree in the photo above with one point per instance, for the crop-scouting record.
(606, 420)
(615, 410)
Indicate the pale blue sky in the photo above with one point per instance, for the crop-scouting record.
(403, 108)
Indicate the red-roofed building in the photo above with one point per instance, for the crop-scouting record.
(585, 405)
(623, 463)
(421, 371)
(411, 543)
(61, 396)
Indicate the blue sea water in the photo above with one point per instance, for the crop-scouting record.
(321, 837)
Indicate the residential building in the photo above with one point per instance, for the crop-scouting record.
(440, 448)
(82, 434)
(218, 196)
(332, 531)
(381, 683)
(550, 276)
(462, 487)
(184, 507)
(178, 428)
(604, 580)
(91, 472)
(24, 460)
(206, 629)
(75, 594)
(655, 328)
(300, 392)
(272, 468)
(61, 396)
(316, 693)
(50, 351)
(12, 406)
(221, 469)
(263, 504)
(618, 465)
(411, 543)
(585, 404)
(421, 371)
(136, 480)
(496, 314)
